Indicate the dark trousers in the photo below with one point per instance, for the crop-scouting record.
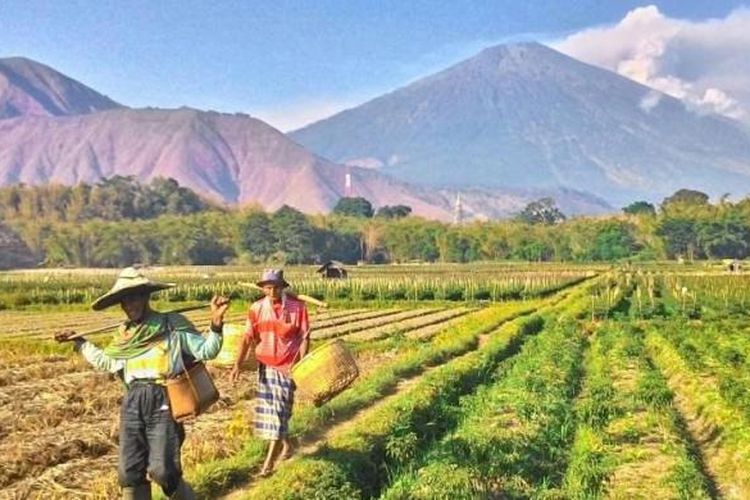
(150, 439)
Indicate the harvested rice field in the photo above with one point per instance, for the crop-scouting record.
(501, 381)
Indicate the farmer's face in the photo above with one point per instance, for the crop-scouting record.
(135, 306)
(273, 291)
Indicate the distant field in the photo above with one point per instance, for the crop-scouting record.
(449, 282)
(512, 380)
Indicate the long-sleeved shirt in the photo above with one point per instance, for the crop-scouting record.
(164, 359)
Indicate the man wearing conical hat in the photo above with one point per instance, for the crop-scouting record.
(278, 326)
(149, 348)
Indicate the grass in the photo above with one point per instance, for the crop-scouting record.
(361, 457)
(513, 434)
(222, 474)
(630, 441)
(724, 435)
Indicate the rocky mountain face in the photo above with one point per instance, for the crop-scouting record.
(28, 88)
(231, 158)
(525, 116)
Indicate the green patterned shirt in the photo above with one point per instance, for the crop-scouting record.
(164, 359)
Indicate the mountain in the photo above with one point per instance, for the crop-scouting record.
(234, 159)
(526, 116)
(69, 134)
(30, 88)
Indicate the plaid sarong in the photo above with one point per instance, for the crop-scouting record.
(273, 406)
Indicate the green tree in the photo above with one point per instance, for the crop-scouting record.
(294, 235)
(726, 238)
(393, 212)
(640, 208)
(685, 197)
(494, 243)
(113, 244)
(355, 207)
(533, 251)
(10, 201)
(171, 198)
(680, 236)
(412, 239)
(114, 198)
(256, 236)
(542, 211)
(79, 206)
(614, 240)
(335, 245)
(457, 246)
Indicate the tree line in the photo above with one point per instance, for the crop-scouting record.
(122, 222)
(111, 199)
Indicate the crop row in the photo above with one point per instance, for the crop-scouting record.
(355, 462)
(513, 434)
(43, 324)
(630, 441)
(68, 404)
(216, 437)
(409, 359)
(719, 351)
(371, 322)
(437, 318)
(716, 425)
(18, 291)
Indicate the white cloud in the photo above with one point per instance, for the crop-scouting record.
(720, 102)
(292, 116)
(704, 63)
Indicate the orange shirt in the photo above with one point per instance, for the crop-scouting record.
(278, 329)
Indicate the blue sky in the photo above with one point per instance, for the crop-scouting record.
(285, 61)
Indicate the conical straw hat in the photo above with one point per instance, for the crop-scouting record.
(130, 281)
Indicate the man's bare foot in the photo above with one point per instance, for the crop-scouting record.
(286, 451)
(265, 472)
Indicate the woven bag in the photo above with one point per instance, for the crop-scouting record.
(324, 373)
(191, 392)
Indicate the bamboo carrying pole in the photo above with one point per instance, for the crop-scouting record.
(302, 297)
(115, 325)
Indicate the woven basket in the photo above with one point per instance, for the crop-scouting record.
(325, 372)
(191, 393)
(233, 336)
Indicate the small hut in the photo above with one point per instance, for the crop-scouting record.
(332, 269)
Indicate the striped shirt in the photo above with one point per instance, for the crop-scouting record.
(278, 329)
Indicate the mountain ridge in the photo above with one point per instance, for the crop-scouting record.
(230, 158)
(29, 88)
(525, 115)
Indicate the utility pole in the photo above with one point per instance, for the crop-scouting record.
(458, 210)
(348, 183)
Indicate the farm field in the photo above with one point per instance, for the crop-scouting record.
(491, 381)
